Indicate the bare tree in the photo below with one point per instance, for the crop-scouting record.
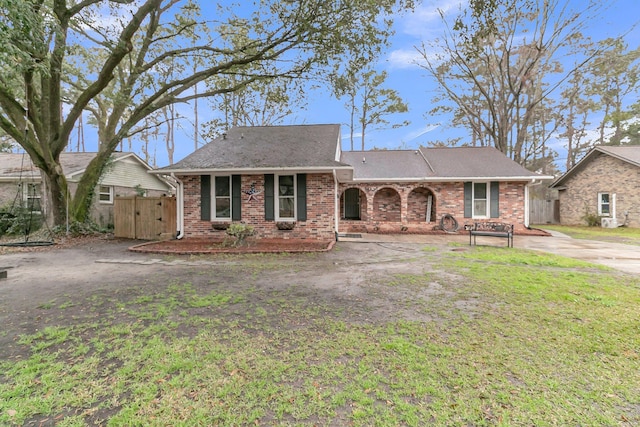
(507, 68)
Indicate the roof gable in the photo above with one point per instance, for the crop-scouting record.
(629, 154)
(266, 147)
(14, 166)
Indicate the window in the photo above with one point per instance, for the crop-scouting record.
(222, 197)
(32, 198)
(480, 199)
(106, 194)
(604, 204)
(286, 196)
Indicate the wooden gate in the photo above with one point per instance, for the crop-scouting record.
(145, 218)
(544, 211)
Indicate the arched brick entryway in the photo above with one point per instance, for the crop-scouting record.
(421, 205)
(353, 204)
(387, 205)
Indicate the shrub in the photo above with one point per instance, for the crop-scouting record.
(238, 234)
(77, 229)
(590, 218)
(19, 221)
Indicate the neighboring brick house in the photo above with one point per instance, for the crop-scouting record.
(295, 182)
(126, 175)
(606, 183)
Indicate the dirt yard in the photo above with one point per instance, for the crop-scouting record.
(77, 272)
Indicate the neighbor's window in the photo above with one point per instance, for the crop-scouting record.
(106, 194)
(222, 197)
(480, 199)
(286, 196)
(32, 197)
(604, 204)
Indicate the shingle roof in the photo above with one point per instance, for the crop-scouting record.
(629, 154)
(474, 162)
(16, 166)
(386, 164)
(436, 164)
(267, 147)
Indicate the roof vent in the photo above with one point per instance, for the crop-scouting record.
(224, 135)
(364, 160)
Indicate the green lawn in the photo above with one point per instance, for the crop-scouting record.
(531, 339)
(626, 235)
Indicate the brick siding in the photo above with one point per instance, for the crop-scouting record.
(392, 207)
(603, 174)
(410, 213)
(320, 223)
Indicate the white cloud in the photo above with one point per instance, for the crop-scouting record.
(418, 133)
(426, 16)
(404, 58)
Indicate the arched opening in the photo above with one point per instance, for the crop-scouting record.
(353, 204)
(421, 205)
(386, 205)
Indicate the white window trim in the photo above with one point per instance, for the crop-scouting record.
(487, 213)
(100, 193)
(277, 197)
(214, 213)
(600, 194)
(26, 197)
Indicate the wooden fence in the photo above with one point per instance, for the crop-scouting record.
(145, 218)
(543, 211)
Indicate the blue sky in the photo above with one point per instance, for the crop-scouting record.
(416, 88)
(409, 80)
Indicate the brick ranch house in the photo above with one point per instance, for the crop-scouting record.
(295, 182)
(605, 183)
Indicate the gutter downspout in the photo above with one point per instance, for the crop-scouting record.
(336, 204)
(526, 202)
(179, 207)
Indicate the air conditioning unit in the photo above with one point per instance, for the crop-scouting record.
(608, 222)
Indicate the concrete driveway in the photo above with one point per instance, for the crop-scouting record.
(622, 257)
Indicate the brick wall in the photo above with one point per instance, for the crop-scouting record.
(392, 207)
(603, 174)
(320, 210)
(410, 213)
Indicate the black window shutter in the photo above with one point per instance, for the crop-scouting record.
(495, 199)
(468, 201)
(301, 196)
(205, 197)
(269, 214)
(236, 198)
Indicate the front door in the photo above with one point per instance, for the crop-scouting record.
(352, 203)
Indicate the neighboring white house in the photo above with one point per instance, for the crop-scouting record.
(126, 175)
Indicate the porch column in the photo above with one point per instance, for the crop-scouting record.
(404, 204)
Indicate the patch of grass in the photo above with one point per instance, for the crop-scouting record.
(625, 235)
(552, 341)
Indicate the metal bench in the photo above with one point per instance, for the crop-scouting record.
(490, 229)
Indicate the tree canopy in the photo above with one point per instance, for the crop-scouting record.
(520, 74)
(125, 61)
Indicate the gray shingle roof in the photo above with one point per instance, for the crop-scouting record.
(16, 166)
(629, 154)
(386, 164)
(435, 164)
(266, 147)
(314, 147)
(474, 162)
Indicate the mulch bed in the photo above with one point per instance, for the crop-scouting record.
(208, 246)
